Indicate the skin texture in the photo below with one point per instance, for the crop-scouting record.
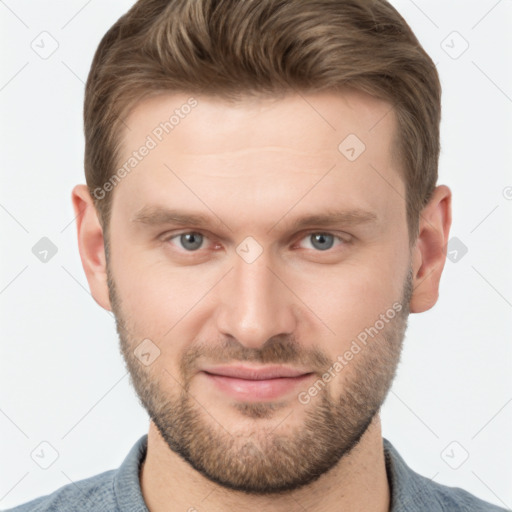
(252, 168)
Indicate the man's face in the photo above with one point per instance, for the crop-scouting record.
(272, 343)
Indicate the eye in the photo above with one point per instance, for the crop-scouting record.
(190, 241)
(322, 241)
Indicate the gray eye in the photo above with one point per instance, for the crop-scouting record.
(191, 241)
(322, 241)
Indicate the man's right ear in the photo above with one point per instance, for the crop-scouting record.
(91, 245)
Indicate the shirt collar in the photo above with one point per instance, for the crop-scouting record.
(126, 481)
(408, 490)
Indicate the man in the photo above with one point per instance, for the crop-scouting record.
(261, 215)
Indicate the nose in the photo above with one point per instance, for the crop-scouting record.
(254, 305)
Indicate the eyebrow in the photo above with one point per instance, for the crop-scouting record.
(352, 217)
(157, 216)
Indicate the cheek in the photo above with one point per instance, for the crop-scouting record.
(157, 301)
(154, 296)
(345, 299)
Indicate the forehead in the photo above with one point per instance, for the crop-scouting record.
(260, 150)
(297, 121)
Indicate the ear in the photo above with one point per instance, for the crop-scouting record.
(91, 245)
(429, 252)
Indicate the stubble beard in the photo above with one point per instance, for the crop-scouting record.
(265, 459)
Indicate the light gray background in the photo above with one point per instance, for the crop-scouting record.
(62, 379)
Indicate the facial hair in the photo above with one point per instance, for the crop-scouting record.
(264, 460)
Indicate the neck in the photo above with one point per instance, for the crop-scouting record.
(357, 483)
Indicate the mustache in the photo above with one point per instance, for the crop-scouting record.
(276, 350)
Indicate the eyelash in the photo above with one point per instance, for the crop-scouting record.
(305, 235)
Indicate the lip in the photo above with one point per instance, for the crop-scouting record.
(255, 372)
(253, 383)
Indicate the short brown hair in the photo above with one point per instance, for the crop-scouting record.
(232, 48)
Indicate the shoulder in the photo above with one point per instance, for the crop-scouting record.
(412, 492)
(456, 499)
(113, 490)
(93, 493)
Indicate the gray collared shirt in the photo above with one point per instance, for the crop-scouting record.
(119, 490)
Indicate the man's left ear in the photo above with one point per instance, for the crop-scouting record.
(429, 252)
